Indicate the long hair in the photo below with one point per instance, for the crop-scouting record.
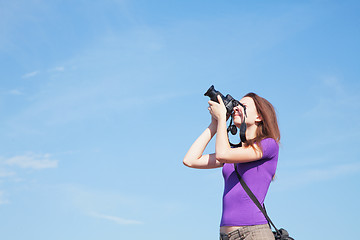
(268, 127)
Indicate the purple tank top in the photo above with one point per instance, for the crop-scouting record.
(238, 208)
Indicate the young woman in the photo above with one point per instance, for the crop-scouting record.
(256, 162)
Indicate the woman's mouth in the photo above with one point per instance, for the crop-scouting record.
(237, 113)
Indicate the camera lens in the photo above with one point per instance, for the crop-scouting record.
(212, 94)
(229, 101)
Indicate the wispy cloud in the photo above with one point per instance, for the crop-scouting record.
(332, 172)
(37, 72)
(332, 96)
(57, 69)
(118, 220)
(30, 74)
(334, 84)
(34, 161)
(5, 173)
(15, 92)
(315, 175)
(3, 200)
(93, 203)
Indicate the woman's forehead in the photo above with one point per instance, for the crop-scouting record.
(247, 101)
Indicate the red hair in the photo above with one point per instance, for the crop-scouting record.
(268, 127)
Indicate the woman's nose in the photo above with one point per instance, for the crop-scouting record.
(237, 108)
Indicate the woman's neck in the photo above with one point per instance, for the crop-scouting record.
(251, 132)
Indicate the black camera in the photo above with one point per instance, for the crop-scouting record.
(229, 101)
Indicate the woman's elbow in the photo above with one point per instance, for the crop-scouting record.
(187, 162)
(220, 157)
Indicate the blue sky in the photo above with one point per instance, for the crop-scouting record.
(100, 100)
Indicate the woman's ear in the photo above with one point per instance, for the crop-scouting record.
(258, 120)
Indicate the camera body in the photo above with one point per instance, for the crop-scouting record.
(229, 101)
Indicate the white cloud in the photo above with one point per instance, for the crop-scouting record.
(115, 219)
(4, 173)
(31, 74)
(315, 175)
(332, 172)
(3, 200)
(34, 161)
(15, 92)
(57, 69)
(334, 84)
(333, 103)
(34, 73)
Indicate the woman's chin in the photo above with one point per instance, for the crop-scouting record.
(237, 119)
(237, 124)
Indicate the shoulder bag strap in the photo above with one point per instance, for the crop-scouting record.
(253, 198)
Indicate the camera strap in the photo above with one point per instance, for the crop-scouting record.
(254, 199)
(232, 128)
(242, 131)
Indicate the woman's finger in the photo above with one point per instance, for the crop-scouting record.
(211, 102)
(220, 99)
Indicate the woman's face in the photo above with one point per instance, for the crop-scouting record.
(251, 112)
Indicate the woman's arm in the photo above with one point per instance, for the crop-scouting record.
(194, 158)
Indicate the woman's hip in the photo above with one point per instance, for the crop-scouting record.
(254, 232)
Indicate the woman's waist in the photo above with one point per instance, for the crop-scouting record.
(242, 229)
(228, 229)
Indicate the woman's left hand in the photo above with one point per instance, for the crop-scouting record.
(217, 110)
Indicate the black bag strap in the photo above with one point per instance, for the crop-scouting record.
(253, 198)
